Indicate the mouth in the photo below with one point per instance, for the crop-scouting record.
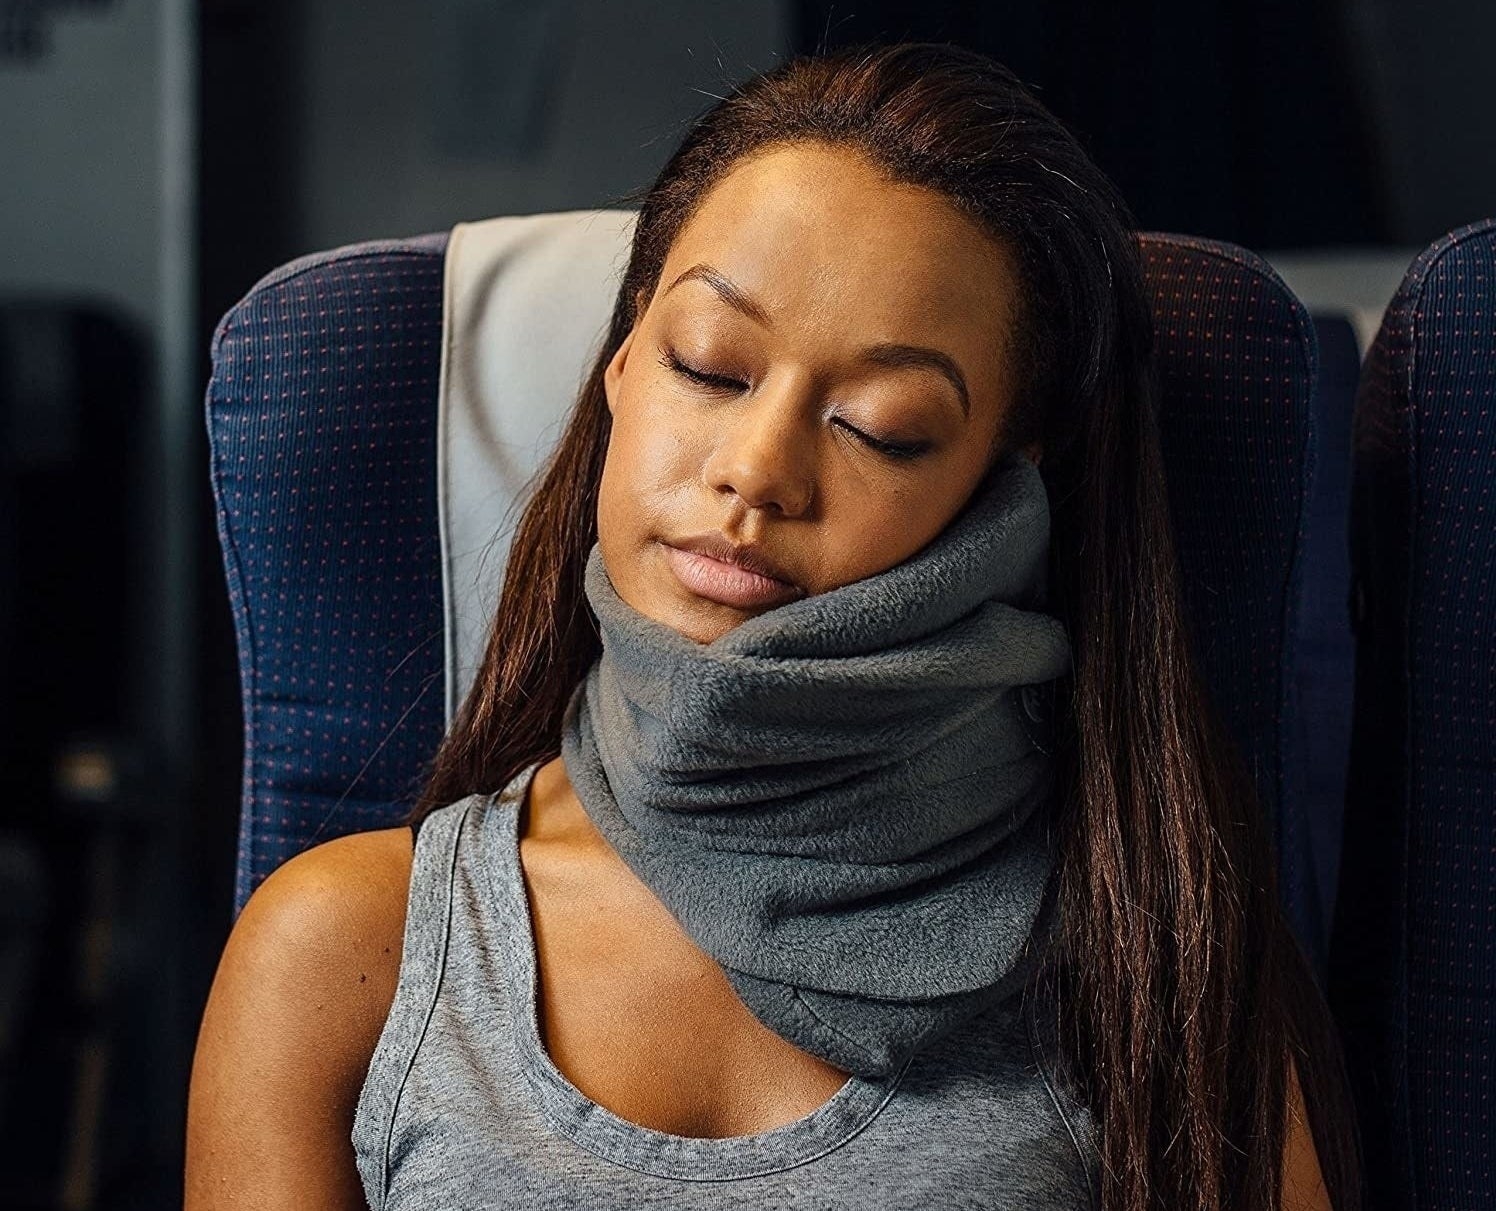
(725, 580)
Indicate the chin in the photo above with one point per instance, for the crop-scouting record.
(700, 620)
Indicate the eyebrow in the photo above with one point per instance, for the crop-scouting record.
(889, 354)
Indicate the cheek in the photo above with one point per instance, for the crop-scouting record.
(655, 454)
(664, 440)
(868, 531)
(879, 538)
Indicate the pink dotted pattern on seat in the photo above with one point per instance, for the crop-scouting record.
(1237, 360)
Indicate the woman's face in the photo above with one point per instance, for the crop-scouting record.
(853, 337)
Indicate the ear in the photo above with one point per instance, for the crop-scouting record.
(613, 372)
(1035, 452)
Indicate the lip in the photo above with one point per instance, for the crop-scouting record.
(710, 566)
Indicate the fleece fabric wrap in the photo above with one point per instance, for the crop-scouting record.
(845, 799)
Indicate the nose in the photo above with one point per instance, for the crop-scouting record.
(765, 457)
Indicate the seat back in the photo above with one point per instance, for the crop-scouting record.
(323, 417)
(1413, 954)
(322, 436)
(1238, 360)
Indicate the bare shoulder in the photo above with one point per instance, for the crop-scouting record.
(334, 918)
(302, 991)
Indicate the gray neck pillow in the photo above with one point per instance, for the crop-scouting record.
(845, 799)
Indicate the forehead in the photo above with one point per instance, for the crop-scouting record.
(819, 233)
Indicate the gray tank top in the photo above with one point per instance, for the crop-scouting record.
(462, 1108)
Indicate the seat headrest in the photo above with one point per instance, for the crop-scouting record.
(525, 309)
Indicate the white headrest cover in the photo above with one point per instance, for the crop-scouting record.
(526, 306)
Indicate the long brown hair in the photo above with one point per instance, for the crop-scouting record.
(1182, 991)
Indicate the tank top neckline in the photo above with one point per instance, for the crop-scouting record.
(593, 1126)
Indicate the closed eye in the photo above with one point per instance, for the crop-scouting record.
(902, 451)
(720, 382)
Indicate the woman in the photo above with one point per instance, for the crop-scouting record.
(678, 927)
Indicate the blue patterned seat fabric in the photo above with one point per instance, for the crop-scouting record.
(1413, 953)
(322, 430)
(1238, 358)
(322, 418)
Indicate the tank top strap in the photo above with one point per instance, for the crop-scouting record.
(1079, 1124)
(428, 916)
